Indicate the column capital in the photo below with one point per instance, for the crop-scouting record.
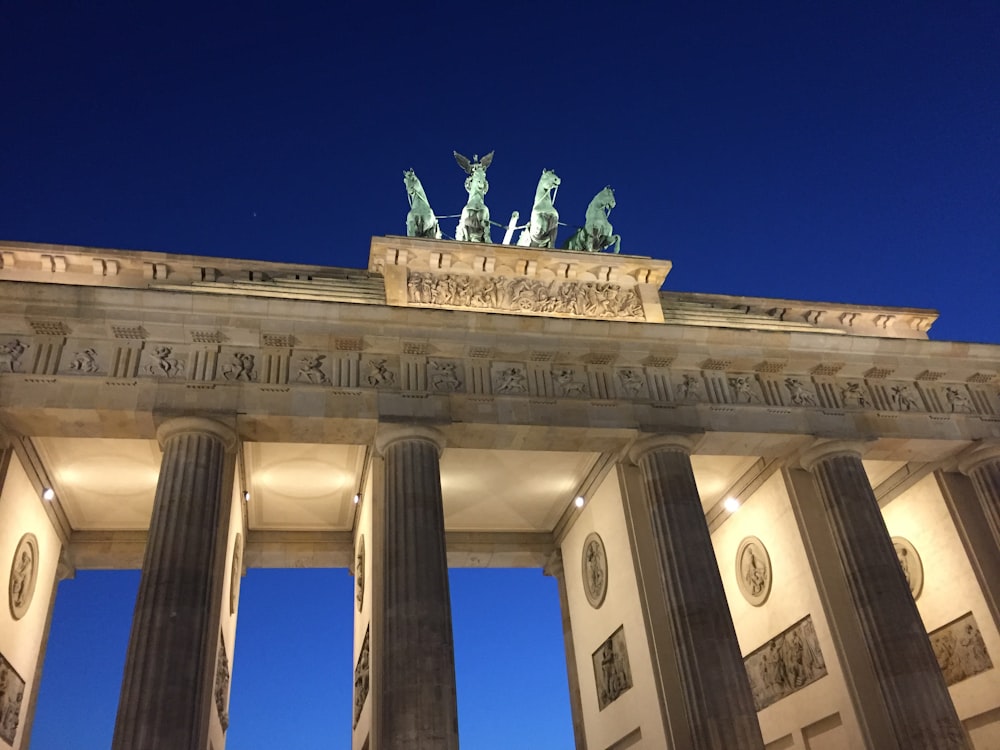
(825, 448)
(387, 434)
(647, 443)
(180, 425)
(554, 565)
(978, 454)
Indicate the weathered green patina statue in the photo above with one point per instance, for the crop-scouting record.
(474, 224)
(597, 233)
(541, 230)
(420, 221)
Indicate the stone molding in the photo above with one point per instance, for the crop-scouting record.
(393, 433)
(824, 448)
(643, 446)
(977, 455)
(188, 424)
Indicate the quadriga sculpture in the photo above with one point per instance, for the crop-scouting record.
(420, 221)
(541, 230)
(597, 233)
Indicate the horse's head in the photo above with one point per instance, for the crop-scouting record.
(549, 180)
(410, 180)
(605, 198)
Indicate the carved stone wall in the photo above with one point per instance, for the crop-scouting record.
(960, 650)
(786, 663)
(612, 672)
(11, 698)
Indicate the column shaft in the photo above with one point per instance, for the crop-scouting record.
(166, 696)
(909, 680)
(985, 476)
(417, 707)
(719, 705)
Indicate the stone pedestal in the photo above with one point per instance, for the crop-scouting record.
(166, 698)
(415, 705)
(906, 674)
(718, 704)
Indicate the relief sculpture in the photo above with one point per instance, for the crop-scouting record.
(241, 368)
(235, 574)
(785, 664)
(361, 681)
(611, 669)
(909, 562)
(23, 572)
(222, 684)
(595, 569)
(164, 364)
(359, 574)
(85, 361)
(10, 355)
(444, 376)
(960, 650)
(579, 298)
(11, 697)
(753, 570)
(311, 369)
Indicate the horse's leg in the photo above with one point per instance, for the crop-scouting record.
(618, 242)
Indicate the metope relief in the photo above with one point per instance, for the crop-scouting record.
(162, 363)
(241, 367)
(632, 382)
(222, 684)
(611, 669)
(11, 697)
(236, 574)
(743, 389)
(960, 650)
(854, 394)
(798, 393)
(594, 567)
(569, 384)
(590, 299)
(689, 388)
(311, 369)
(84, 361)
(380, 374)
(510, 380)
(786, 663)
(444, 376)
(361, 679)
(359, 574)
(10, 355)
(23, 572)
(753, 571)
(909, 562)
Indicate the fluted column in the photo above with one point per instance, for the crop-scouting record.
(416, 707)
(166, 696)
(719, 708)
(554, 568)
(906, 671)
(982, 466)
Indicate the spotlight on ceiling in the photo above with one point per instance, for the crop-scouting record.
(246, 496)
(48, 494)
(579, 501)
(357, 499)
(731, 504)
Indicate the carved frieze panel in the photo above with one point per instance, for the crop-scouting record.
(12, 351)
(960, 650)
(311, 367)
(509, 379)
(23, 574)
(753, 571)
(799, 391)
(687, 387)
(612, 671)
(631, 382)
(381, 372)
(222, 684)
(359, 574)
(361, 678)
(744, 389)
(570, 382)
(445, 375)
(85, 358)
(786, 663)
(11, 698)
(163, 361)
(236, 574)
(238, 365)
(578, 299)
(594, 570)
(909, 562)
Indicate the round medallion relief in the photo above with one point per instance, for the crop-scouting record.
(909, 561)
(23, 572)
(595, 570)
(753, 570)
(359, 574)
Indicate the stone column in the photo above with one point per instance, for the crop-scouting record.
(906, 672)
(719, 707)
(982, 466)
(554, 568)
(166, 698)
(415, 706)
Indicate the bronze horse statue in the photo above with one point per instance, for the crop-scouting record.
(597, 233)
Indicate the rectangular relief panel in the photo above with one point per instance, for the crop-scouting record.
(612, 672)
(960, 650)
(786, 663)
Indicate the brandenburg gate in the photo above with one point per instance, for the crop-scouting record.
(773, 523)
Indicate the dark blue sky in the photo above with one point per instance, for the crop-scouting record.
(828, 151)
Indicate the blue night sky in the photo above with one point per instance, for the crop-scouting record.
(842, 152)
